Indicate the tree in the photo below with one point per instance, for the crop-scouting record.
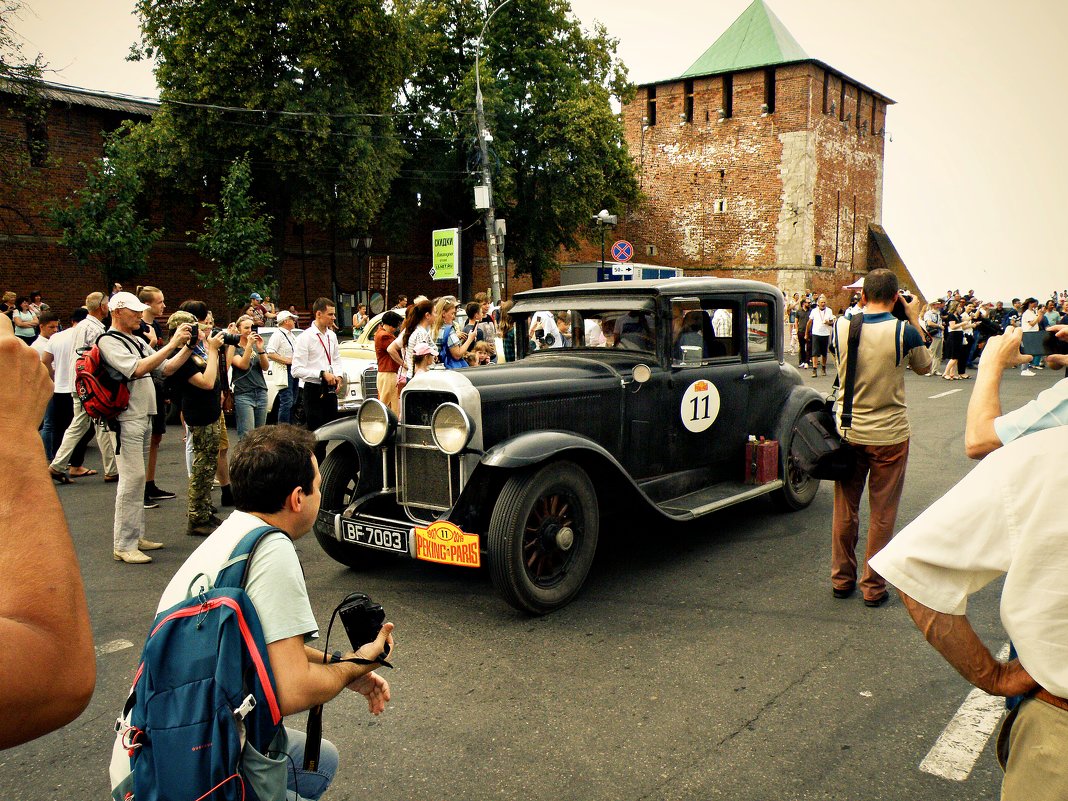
(102, 223)
(21, 154)
(236, 239)
(558, 150)
(304, 87)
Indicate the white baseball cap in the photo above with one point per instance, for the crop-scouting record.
(126, 300)
(284, 315)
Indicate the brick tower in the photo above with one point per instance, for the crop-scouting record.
(760, 161)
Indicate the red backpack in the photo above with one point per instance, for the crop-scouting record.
(103, 397)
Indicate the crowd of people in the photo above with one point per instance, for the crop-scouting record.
(959, 325)
(1005, 528)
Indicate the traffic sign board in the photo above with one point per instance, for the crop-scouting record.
(622, 250)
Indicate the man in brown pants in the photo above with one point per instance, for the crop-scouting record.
(880, 429)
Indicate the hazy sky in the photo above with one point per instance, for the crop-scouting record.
(975, 171)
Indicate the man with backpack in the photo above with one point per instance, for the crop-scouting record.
(276, 483)
(129, 358)
(84, 336)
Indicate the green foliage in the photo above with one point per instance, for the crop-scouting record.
(102, 223)
(558, 154)
(236, 240)
(296, 85)
(24, 147)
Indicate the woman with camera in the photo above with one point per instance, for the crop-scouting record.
(452, 345)
(248, 362)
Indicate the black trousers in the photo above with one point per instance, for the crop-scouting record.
(62, 415)
(320, 407)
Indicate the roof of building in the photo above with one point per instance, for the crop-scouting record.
(61, 93)
(756, 39)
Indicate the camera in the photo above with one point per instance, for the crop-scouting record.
(255, 329)
(899, 304)
(362, 619)
(228, 339)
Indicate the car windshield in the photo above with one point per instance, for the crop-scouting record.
(583, 328)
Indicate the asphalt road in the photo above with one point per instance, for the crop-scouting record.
(700, 661)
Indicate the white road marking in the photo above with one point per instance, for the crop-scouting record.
(963, 739)
(113, 646)
(943, 394)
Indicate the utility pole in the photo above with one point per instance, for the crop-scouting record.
(484, 138)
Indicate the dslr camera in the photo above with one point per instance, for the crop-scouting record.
(362, 619)
(903, 296)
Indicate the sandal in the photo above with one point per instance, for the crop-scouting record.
(111, 479)
(59, 477)
(82, 475)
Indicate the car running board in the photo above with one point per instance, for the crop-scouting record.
(718, 496)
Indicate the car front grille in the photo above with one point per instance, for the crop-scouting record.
(369, 382)
(427, 478)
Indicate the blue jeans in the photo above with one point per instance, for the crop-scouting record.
(286, 398)
(46, 431)
(309, 784)
(250, 410)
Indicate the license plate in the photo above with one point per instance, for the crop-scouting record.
(444, 543)
(373, 534)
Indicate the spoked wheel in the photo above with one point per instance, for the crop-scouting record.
(543, 536)
(799, 488)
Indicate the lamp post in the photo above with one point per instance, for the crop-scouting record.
(483, 138)
(603, 220)
(361, 249)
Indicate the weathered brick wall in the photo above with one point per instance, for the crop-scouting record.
(755, 194)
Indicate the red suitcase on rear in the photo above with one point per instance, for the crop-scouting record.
(761, 460)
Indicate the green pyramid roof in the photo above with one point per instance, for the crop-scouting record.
(756, 39)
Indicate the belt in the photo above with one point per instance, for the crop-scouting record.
(1051, 699)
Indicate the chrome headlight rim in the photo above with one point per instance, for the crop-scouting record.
(387, 421)
(468, 428)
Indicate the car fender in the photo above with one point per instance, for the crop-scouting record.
(800, 399)
(345, 430)
(536, 447)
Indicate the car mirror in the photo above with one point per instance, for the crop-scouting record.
(641, 373)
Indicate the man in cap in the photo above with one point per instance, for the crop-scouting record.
(83, 337)
(256, 309)
(127, 356)
(932, 323)
(280, 351)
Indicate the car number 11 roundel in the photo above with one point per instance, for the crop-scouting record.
(700, 406)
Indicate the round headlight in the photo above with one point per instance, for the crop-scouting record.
(451, 428)
(375, 421)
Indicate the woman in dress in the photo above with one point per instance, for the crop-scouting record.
(954, 340)
(248, 362)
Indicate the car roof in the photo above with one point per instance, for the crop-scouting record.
(658, 286)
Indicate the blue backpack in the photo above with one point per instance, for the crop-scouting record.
(203, 669)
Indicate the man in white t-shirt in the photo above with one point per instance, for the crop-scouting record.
(275, 479)
(1029, 324)
(280, 351)
(49, 325)
(820, 323)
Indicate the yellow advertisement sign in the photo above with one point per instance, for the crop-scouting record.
(446, 255)
(444, 543)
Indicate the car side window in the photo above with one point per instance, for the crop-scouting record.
(760, 327)
(703, 330)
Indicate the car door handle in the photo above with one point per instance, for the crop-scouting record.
(746, 377)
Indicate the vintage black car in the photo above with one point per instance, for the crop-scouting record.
(636, 394)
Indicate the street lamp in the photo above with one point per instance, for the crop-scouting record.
(484, 137)
(603, 220)
(361, 245)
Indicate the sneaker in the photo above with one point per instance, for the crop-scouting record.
(1037, 367)
(148, 545)
(157, 494)
(134, 557)
(150, 504)
(1027, 372)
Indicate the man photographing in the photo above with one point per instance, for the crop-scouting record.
(275, 479)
